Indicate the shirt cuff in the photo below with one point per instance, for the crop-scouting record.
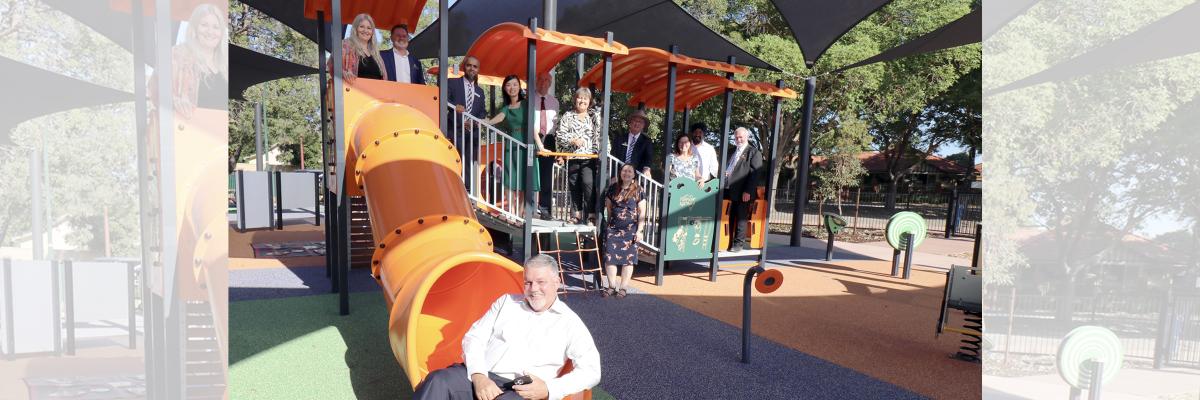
(553, 390)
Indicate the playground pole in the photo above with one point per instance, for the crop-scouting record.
(342, 263)
(757, 269)
(602, 159)
(810, 86)
(443, 54)
(527, 173)
(668, 146)
(772, 170)
(323, 70)
(687, 121)
(724, 137)
(579, 60)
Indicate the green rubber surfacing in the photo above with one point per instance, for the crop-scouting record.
(300, 348)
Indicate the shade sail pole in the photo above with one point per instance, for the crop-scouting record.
(668, 147)
(443, 55)
(602, 182)
(714, 264)
(772, 170)
(322, 70)
(810, 86)
(527, 172)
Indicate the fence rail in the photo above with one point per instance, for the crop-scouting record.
(864, 209)
(1036, 324)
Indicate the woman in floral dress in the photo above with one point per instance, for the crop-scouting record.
(626, 210)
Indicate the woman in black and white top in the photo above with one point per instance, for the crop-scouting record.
(579, 133)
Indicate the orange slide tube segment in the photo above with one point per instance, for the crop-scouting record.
(433, 260)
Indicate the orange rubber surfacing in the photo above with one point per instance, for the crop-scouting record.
(502, 50)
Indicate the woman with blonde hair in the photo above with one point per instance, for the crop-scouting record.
(360, 52)
(200, 64)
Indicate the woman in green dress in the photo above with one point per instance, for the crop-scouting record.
(513, 117)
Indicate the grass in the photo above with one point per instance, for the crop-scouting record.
(300, 348)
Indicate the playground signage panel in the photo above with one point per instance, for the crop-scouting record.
(690, 224)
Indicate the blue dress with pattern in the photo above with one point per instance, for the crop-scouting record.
(620, 247)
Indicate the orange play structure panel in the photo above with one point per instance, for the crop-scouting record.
(647, 64)
(693, 89)
(502, 50)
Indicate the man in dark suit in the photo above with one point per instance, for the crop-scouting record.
(411, 70)
(467, 97)
(742, 176)
(635, 147)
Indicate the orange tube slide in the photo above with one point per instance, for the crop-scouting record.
(432, 258)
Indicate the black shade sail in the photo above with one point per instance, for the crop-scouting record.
(1165, 38)
(634, 23)
(112, 24)
(291, 14)
(816, 24)
(965, 30)
(248, 68)
(32, 92)
(1000, 13)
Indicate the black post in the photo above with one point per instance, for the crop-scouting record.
(342, 259)
(896, 262)
(714, 265)
(528, 172)
(132, 310)
(951, 206)
(278, 199)
(1162, 340)
(664, 204)
(810, 86)
(579, 69)
(443, 63)
(975, 256)
(9, 331)
(602, 158)
(772, 170)
(317, 199)
(829, 243)
(1096, 381)
(746, 285)
(69, 299)
(492, 95)
(907, 239)
(326, 142)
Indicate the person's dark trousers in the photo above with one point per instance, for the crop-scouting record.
(546, 197)
(739, 217)
(468, 144)
(452, 383)
(581, 175)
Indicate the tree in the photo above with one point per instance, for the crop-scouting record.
(842, 168)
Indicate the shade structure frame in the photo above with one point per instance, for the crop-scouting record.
(694, 89)
(496, 47)
(387, 14)
(647, 64)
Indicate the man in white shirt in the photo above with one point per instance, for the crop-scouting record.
(530, 335)
(546, 115)
(706, 152)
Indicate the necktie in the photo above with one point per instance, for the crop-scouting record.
(542, 118)
(469, 93)
(629, 148)
(737, 156)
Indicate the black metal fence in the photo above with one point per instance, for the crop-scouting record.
(1154, 328)
(866, 209)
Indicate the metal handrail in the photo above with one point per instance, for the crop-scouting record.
(469, 135)
(652, 194)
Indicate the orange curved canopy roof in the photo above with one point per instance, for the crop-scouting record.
(386, 13)
(502, 49)
(693, 89)
(486, 80)
(647, 64)
(181, 10)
